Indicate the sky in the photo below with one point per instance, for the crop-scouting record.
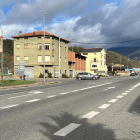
(85, 21)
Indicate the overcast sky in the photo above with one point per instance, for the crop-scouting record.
(87, 21)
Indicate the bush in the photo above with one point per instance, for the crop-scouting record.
(64, 76)
(49, 75)
(41, 75)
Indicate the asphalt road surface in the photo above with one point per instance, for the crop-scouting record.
(104, 109)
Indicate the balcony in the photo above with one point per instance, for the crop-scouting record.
(94, 66)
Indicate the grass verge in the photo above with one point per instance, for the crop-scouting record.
(15, 82)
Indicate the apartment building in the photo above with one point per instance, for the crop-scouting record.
(77, 63)
(29, 47)
(95, 61)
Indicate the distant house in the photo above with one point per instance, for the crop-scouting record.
(29, 47)
(77, 63)
(116, 67)
(95, 61)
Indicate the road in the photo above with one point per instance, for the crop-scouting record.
(104, 109)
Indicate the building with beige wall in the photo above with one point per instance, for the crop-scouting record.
(29, 47)
(95, 61)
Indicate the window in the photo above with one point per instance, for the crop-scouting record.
(18, 46)
(39, 37)
(17, 38)
(52, 47)
(65, 71)
(18, 58)
(85, 53)
(47, 37)
(26, 58)
(95, 59)
(60, 71)
(94, 66)
(104, 56)
(52, 58)
(60, 59)
(65, 59)
(65, 49)
(101, 62)
(104, 62)
(47, 46)
(25, 37)
(39, 46)
(47, 58)
(94, 53)
(25, 46)
(39, 58)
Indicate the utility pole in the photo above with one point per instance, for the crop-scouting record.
(112, 65)
(1, 51)
(120, 64)
(44, 43)
(59, 57)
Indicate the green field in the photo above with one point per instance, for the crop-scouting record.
(15, 82)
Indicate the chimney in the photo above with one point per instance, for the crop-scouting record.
(20, 32)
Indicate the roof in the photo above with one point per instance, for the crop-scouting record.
(78, 54)
(36, 33)
(92, 50)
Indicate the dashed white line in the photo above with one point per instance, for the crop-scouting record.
(104, 106)
(66, 130)
(119, 96)
(127, 91)
(124, 93)
(130, 89)
(51, 96)
(90, 115)
(113, 100)
(34, 100)
(64, 93)
(9, 106)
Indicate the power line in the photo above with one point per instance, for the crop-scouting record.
(107, 43)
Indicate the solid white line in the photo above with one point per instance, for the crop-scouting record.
(51, 96)
(104, 106)
(124, 93)
(34, 100)
(119, 96)
(66, 130)
(64, 93)
(9, 106)
(90, 115)
(113, 100)
(127, 91)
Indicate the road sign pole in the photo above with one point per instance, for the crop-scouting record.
(1, 68)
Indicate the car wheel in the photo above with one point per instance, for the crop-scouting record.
(94, 78)
(79, 78)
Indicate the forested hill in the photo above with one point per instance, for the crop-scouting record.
(8, 54)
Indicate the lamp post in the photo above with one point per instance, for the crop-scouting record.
(44, 43)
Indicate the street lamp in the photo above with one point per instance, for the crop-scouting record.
(44, 43)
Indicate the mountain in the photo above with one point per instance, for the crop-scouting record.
(131, 52)
(115, 58)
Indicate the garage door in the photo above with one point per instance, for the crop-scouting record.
(29, 71)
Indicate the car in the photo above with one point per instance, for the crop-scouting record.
(85, 76)
(132, 74)
(97, 76)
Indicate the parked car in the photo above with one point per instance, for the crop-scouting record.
(97, 76)
(132, 74)
(85, 76)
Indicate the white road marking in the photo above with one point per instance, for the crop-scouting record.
(105, 89)
(113, 100)
(124, 93)
(111, 87)
(51, 96)
(104, 106)
(127, 91)
(34, 100)
(9, 106)
(90, 115)
(35, 92)
(119, 96)
(74, 90)
(66, 130)
(130, 89)
(64, 93)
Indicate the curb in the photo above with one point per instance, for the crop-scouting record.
(29, 85)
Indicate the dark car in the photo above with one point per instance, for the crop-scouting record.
(132, 74)
(85, 76)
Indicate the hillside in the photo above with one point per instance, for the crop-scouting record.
(131, 52)
(112, 57)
